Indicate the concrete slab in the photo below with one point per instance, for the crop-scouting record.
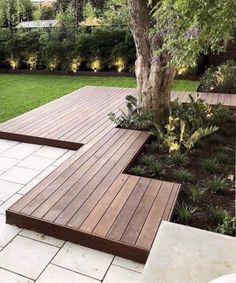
(182, 254)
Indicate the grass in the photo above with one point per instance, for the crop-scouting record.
(21, 93)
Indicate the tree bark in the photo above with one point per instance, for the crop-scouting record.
(154, 79)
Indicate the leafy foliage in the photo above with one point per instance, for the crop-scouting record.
(228, 227)
(183, 29)
(131, 118)
(221, 79)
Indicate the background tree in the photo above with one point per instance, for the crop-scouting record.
(169, 35)
(13, 12)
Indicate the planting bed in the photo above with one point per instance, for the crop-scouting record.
(202, 203)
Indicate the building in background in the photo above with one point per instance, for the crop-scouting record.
(43, 3)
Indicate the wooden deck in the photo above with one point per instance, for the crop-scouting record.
(89, 199)
(81, 116)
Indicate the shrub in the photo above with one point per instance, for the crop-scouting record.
(182, 175)
(178, 159)
(210, 165)
(137, 170)
(131, 118)
(146, 160)
(195, 193)
(157, 168)
(217, 184)
(228, 227)
(218, 213)
(220, 79)
(185, 213)
(222, 156)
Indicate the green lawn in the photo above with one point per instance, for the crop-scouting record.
(21, 93)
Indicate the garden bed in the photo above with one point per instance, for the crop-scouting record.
(212, 158)
(204, 166)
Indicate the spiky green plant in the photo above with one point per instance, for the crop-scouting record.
(157, 168)
(210, 165)
(182, 175)
(185, 212)
(196, 192)
(217, 184)
(222, 157)
(137, 170)
(218, 213)
(146, 160)
(178, 159)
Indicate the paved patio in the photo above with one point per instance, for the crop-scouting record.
(26, 256)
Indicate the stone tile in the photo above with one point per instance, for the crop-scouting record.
(7, 162)
(192, 255)
(83, 260)
(9, 203)
(64, 158)
(6, 144)
(41, 238)
(138, 267)
(8, 189)
(35, 162)
(117, 274)
(29, 186)
(50, 152)
(10, 277)
(46, 172)
(21, 150)
(55, 274)
(7, 232)
(19, 175)
(26, 257)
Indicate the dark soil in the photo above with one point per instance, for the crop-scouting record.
(223, 139)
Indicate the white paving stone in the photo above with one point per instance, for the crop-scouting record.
(10, 277)
(184, 254)
(6, 144)
(7, 232)
(117, 274)
(8, 189)
(7, 163)
(46, 172)
(138, 267)
(19, 175)
(83, 260)
(50, 152)
(55, 274)
(25, 189)
(42, 238)
(5, 205)
(35, 162)
(64, 158)
(21, 150)
(26, 257)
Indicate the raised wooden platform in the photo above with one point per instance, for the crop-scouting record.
(81, 116)
(89, 199)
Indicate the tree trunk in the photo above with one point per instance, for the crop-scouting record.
(154, 89)
(154, 79)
